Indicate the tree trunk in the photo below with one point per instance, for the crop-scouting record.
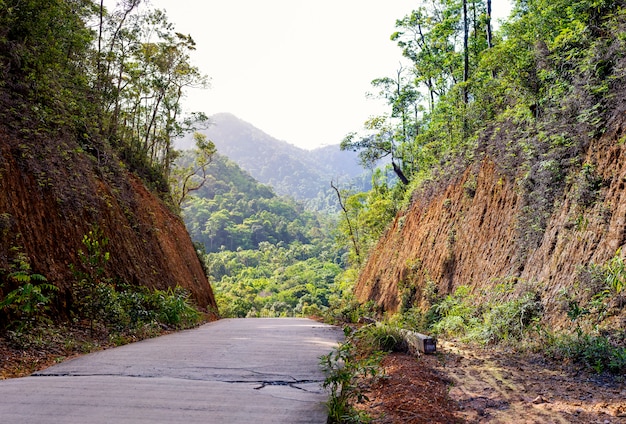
(489, 35)
(399, 173)
(352, 232)
(465, 52)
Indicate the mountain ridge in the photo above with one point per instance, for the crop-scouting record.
(292, 171)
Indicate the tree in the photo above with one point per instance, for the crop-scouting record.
(190, 178)
(488, 25)
(143, 69)
(44, 46)
(465, 53)
(389, 136)
(352, 228)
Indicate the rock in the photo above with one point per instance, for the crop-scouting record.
(539, 399)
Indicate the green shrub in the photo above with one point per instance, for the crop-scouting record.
(98, 300)
(135, 303)
(456, 313)
(491, 320)
(379, 338)
(508, 320)
(412, 319)
(349, 311)
(595, 352)
(94, 297)
(172, 307)
(615, 273)
(344, 367)
(30, 301)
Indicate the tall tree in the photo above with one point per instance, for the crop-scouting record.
(192, 177)
(465, 53)
(388, 136)
(488, 25)
(144, 72)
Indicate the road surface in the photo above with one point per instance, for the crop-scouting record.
(263, 370)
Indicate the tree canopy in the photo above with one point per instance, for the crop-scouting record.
(115, 79)
(541, 79)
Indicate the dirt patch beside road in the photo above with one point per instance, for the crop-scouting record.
(465, 385)
(412, 392)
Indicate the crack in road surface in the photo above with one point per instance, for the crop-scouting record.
(291, 384)
(229, 371)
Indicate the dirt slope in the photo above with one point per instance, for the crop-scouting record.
(52, 193)
(465, 385)
(467, 235)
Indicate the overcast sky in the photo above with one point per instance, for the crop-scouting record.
(297, 69)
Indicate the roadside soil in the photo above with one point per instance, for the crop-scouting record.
(20, 363)
(57, 344)
(461, 384)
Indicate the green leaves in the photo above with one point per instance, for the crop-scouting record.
(615, 274)
(30, 301)
(345, 367)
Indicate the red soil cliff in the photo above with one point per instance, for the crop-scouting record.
(52, 194)
(469, 237)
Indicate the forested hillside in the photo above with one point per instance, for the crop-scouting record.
(90, 237)
(508, 148)
(234, 211)
(301, 174)
(266, 255)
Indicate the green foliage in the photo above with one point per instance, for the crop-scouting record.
(595, 352)
(272, 281)
(122, 308)
(28, 303)
(380, 338)
(587, 185)
(94, 297)
(509, 320)
(347, 310)
(173, 307)
(190, 178)
(345, 367)
(367, 215)
(143, 68)
(457, 313)
(265, 255)
(233, 211)
(44, 50)
(128, 309)
(598, 293)
(489, 319)
(590, 304)
(535, 96)
(615, 273)
(99, 79)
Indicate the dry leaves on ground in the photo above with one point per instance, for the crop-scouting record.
(475, 385)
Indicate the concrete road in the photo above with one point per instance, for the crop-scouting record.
(262, 370)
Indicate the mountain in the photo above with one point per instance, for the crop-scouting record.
(302, 174)
(234, 211)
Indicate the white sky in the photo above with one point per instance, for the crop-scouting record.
(297, 69)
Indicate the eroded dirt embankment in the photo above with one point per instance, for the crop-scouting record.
(52, 194)
(469, 235)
